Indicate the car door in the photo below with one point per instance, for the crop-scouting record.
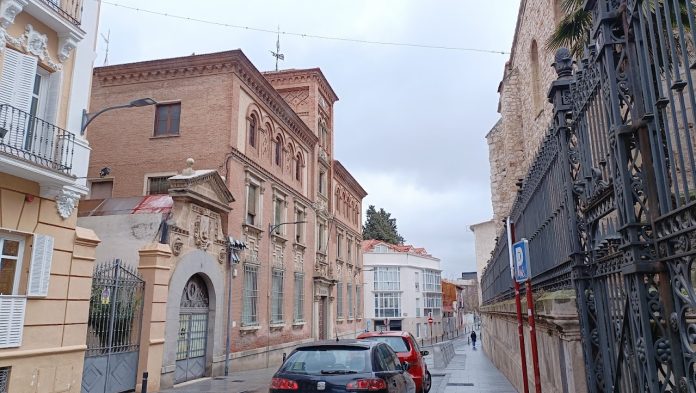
(392, 369)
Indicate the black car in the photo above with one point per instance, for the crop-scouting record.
(343, 366)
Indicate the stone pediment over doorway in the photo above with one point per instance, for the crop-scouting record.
(205, 188)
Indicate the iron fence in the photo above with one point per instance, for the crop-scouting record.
(71, 10)
(32, 139)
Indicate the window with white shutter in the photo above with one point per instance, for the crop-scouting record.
(17, 79)
(11, 320)
(11, 250)
(40, 271)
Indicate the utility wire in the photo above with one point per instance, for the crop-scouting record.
(304, 35)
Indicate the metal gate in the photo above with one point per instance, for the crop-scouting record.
(322, 318)
(113, 329)
(193, 331)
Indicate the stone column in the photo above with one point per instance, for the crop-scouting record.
(154, 266)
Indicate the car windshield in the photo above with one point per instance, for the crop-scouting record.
(328, 360)
(398, 344)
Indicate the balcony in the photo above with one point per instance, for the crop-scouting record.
(70, 10)
(35, 141)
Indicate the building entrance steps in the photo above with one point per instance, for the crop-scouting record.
(470, 370)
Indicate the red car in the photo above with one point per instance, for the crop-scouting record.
(407, 349)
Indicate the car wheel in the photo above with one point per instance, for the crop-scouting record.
(427, 382)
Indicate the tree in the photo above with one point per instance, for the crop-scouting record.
(380, 226)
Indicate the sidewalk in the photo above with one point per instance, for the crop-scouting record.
(469, 371)
(254, 381)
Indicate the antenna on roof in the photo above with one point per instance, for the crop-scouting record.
(277, 54)
(106, 40)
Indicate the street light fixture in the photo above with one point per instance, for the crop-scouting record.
(88, 117)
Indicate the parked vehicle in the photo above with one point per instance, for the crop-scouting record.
(343, 366)
(407, 349)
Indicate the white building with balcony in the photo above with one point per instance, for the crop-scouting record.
(47, 49)
(402, 287)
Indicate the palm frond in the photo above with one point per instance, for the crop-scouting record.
(571, 31)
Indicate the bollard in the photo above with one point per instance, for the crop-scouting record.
(144, 385)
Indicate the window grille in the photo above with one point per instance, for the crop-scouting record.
(277, 296)
(5, 379)
(251, 295)
(299, 297)
(157, 185)
(358, 302)
(350, 300)
(339, 300)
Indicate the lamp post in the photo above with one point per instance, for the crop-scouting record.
(88, 117)
(271, 229)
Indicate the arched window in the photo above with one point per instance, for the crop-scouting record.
(536, 79)
(298, 167)
(252, 130)
(278, 151)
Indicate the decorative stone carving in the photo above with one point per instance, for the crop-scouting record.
(323, 155)
(35, 43)
(66, 45)
(177, 244)
(8, 10)
(66, 202)
(201, 232)
(563, 63)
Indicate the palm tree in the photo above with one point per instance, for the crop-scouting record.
(572, 31)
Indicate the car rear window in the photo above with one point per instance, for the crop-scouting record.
(329, 360)
(398, 344)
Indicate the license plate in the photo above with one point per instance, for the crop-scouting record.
(321, 385)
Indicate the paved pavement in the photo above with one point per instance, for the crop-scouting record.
(470, 371)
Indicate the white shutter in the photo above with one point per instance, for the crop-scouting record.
(12, 320)
(40, 271)
(17, 81)
(53, 97)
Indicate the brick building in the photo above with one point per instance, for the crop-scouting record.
(270, 137)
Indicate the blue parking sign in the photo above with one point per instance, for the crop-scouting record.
(520, 257)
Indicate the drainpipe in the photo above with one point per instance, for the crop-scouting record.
(229, 314)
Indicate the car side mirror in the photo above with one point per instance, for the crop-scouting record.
(425, 353)
(284, 357)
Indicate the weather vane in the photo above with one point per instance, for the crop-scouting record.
(277, 54)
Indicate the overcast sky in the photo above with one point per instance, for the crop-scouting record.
(410, 122)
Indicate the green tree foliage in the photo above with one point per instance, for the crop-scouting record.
(380, 226)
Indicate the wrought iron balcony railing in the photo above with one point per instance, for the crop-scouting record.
(71, 10)
(32, 139)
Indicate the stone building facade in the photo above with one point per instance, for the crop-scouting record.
(270, 137)
(46, 260)
(513, 141)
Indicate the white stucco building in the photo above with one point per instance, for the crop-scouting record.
(402, 285)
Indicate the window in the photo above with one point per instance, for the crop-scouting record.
(252, 130)
(298, 168)
(158, 185)
(358, 302)
(299, 226)
(431, 281)
(322, 182)
(536, 81)
(387, 304)
(339, 300)
(339, 246)
(101, 189)
(417, 280)
(167, 119)
(381, 248)
(251, 296)
(277, 296)
(349, 248)
(432, 304)
(299, 297)
(252, 204)
(10, 264)
(278, 157)
(321, 237)
(5, 379)
(386, 278)
(418, 307)
(349, 290)
(279, 214)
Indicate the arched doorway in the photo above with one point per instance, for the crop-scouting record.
(193, 331)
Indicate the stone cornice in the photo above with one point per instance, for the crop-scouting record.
(269, 176)
(342, 173)
(290, 76)
(209, 64)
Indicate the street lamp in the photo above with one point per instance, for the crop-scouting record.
(88, 117)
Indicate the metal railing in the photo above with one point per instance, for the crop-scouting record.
(32, 139)
(71, 10)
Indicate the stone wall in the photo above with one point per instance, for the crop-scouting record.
(561, 363)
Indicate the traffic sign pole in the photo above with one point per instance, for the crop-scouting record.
(518, 304)
(532, 336)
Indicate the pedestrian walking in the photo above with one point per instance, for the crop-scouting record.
(473, 338)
